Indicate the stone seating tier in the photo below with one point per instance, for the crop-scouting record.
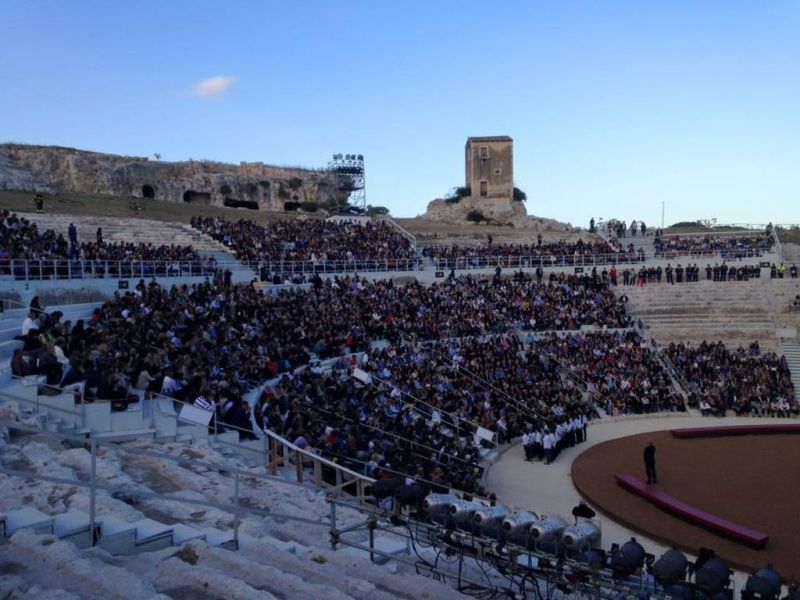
(128, 230)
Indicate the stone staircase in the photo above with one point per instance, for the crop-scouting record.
(791, 350)
(640, 242)
(733, 312)
(791, 254)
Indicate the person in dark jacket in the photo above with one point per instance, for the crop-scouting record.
(650, 462)
(74, 373)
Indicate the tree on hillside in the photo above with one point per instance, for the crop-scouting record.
(374, 211)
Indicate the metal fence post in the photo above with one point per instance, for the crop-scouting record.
(93, 482)
(273, 451)
(236, 510)
(333, 524)
(299, 465)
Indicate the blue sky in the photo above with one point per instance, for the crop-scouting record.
(614, 107)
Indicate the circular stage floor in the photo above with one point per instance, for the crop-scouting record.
(751, 480)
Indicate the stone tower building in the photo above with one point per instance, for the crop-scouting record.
(490, 166)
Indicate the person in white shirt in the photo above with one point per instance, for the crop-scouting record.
(526, 445)
(28, 324)
(538, 450)
(548, 442)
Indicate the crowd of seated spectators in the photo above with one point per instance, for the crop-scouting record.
(314, 241)
(47, 254)
(744, 380)
(423, 406)
(453, 362)
(621, 371)
(560, 252)
(728, 247)
(216, 341)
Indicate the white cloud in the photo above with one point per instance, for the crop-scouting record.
(213, 86)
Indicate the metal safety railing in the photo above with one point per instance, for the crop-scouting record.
(723, 253)
(65, 269)
(530, 262)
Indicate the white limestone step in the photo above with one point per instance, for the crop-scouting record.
(75, 527)
(184, 533)
(145, 433)
(218, 538)
(248, 541)
(391, 545)
(121, 537)
(27, 517)
(148, 530)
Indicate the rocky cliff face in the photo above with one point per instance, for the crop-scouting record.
(12, 177)
(55, 169)
(498, 211)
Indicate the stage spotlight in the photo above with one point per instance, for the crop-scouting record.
(383, 488)
(713, 577)
(764, 583)
(411, 495)
(670, 568)
(437, 506)
(463, 512)
(488, 521)
(627, 559)
(547, 529)
(581, 536)
(517, 526)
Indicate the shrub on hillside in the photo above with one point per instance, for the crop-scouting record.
(476, 216)
(457, 193)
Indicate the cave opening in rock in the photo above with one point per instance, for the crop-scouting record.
(199, 197)
(234, 203)
(148, 191)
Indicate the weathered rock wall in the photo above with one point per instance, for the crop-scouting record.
(500, 211)
(60, 170)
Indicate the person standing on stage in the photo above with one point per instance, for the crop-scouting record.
(650, 462)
